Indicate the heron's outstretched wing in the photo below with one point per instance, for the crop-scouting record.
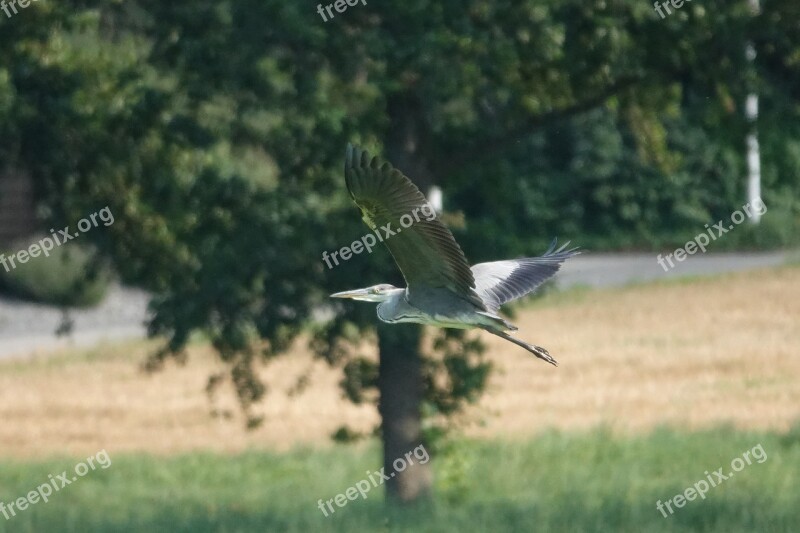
(500, 282)
(425, 250)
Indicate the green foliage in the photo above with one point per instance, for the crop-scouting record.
(455, 468)
(360, 374)
(215, 130)
(70, 276)
(345, 435)
(457, 377)
(589, 481)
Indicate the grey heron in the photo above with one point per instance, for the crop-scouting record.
(442, 289)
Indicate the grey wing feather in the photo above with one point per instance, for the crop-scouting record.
(426, 252)
(500, 282)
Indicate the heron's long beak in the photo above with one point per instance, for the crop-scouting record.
(359, 294)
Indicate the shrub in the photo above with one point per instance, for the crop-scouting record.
(71, 276)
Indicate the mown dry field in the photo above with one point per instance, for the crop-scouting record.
(690, 354)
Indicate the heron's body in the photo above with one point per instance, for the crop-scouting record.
(443, 290)
(439, 310)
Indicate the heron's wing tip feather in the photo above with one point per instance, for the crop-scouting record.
(500, 282)
(425, 250)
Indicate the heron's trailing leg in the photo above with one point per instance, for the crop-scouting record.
(538, 351)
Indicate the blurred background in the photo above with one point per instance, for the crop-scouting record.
(190, 335)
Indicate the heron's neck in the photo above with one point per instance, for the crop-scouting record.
(393, 305)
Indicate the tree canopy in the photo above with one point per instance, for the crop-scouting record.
(215, 132)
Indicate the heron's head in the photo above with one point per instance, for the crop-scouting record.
(376, 293)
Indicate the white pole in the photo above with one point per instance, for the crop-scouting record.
(436, 199)
(753, 152)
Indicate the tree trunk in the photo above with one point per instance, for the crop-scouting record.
(400, 371)
(407, 141)
(400, 383)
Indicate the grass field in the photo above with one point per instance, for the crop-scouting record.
(682, 377)
(588, 481)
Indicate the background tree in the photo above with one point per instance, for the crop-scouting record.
(215, 131)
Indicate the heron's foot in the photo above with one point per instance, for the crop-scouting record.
(541, 353)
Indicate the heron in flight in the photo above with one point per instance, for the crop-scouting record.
(443, 290)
